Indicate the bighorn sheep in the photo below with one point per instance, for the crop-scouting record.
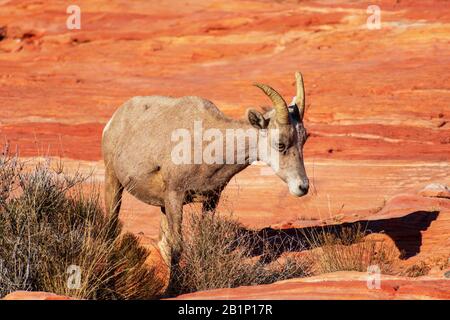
(137, 151)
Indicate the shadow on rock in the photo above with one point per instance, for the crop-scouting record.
(404, 231)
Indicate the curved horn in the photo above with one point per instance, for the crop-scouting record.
(300, 97)
(280, 106)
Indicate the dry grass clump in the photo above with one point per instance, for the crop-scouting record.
(418, 269)
(217, 253)
(349, 249)
(48, 223)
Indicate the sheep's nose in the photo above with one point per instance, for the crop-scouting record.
(304, 188)
(298, 188)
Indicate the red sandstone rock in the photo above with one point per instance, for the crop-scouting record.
(334, 286)
(364, 87)
(34, 295)
(436, 190)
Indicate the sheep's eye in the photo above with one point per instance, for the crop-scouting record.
(281, 147)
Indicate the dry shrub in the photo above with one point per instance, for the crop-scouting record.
(417, 270)
(47, 223)
(217, 253)
(348, 249)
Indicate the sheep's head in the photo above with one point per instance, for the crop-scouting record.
(283, 134)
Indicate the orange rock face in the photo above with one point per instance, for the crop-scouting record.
(371, 94)
(378, 101)
(436, 191)
(335, 286)
(34, 295)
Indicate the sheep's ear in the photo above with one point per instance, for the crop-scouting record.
(257, 119)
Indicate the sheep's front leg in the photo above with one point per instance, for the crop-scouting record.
(163, 244)
(174, 214)
(113, 197)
